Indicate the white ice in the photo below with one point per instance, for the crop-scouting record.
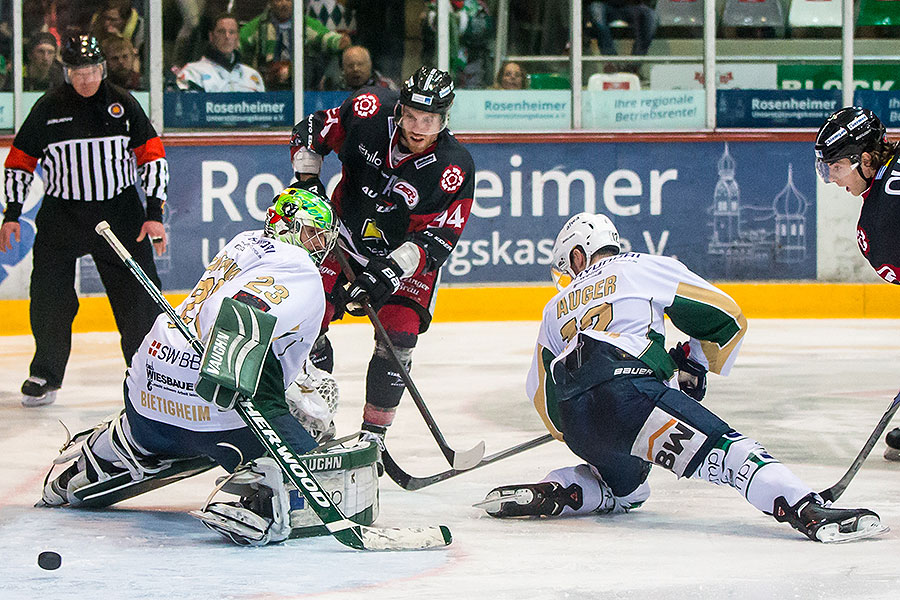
(811, 391)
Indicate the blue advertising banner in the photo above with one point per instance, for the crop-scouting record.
(775, 108)
(730, 211)
(884, 104)
(194, 110)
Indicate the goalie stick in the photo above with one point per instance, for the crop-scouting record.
(408, 482)
(345, 531)
(835, 491)
(460, 461)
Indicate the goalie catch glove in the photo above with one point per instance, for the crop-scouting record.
(262, 516)
(691, 374)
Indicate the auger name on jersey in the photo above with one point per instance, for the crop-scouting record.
(623, 300)
(272, 276)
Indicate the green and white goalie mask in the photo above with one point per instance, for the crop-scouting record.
(302, 218)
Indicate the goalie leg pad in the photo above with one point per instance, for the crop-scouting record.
(271, 510)
(106, 465)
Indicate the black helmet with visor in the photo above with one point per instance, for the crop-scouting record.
(847, 134)
(429, 90)
(81, 51)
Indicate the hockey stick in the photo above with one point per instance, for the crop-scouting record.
(835, 491)
(408, 482)
(460, 461)
(345, 531)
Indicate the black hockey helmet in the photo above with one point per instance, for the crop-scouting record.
(847, 133)
(81, 51)
(429, 89)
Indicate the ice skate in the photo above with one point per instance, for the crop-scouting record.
(531, 499)
(828, 525)
(37, 392)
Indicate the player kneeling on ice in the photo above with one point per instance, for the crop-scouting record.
(258, 309)
(601, 381)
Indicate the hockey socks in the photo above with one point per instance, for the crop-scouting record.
(828, 525)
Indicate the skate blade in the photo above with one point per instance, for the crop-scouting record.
(868, 527)
(33, 401)
(493, 503)
(891, 454)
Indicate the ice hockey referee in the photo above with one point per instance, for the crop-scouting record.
(92, 141)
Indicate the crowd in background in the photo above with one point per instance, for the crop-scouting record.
(247, 45)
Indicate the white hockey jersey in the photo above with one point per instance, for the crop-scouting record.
(213, 77)
(622, 300)
(271, 275)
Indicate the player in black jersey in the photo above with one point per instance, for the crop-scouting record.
(94, 144)
(853, 152)
(404, 197)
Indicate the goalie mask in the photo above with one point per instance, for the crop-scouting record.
(302, 218)
(589, 232)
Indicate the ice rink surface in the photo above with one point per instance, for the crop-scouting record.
(811, 391)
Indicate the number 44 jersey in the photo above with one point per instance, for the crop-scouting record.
(268, 274)
(622, 300)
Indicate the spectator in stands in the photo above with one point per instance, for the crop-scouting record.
(333, 14)
(356, 72)
(511, 76)
(471, 38)
(117, 17)
(267, 41)
(121, 62)
(640, 14)
(220, 69)
(40, 57)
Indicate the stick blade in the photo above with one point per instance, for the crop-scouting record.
(405, 538)
(463, 461)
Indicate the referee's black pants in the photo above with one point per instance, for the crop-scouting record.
(65, 232)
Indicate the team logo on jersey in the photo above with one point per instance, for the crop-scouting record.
(888, 273)
(116, 110)
(452, 179)
(863, 240)
(408, 192)
(370, 231)
(366, 105)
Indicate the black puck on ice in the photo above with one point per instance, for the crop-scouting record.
(49, 560)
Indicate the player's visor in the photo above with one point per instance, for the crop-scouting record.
(831, 172)
(419, 122)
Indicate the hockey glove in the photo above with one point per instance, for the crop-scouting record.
(691, 374)
(375, 284)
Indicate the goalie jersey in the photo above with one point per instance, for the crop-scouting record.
(275, 277)
(622, 300)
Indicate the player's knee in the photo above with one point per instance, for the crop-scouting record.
(733, 461)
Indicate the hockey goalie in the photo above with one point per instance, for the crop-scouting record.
(178, 418)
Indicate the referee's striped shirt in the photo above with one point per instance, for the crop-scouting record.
(65, 135)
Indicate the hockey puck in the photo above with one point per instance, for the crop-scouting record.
(49, 560)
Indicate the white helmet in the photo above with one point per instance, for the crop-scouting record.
(587, 231)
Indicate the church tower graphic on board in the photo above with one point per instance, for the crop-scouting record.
(752, 238)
